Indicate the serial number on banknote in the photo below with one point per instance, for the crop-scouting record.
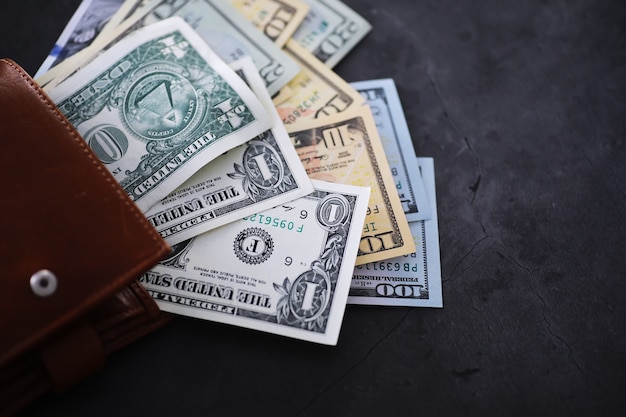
(390, 266)
(276, 222)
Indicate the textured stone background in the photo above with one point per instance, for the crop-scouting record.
(522, 105)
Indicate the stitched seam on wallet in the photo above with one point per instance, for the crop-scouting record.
(102, 324)
(109, 179)
(147, 306)
(147, 300)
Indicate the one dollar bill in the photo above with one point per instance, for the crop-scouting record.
(159, 106)
(411, 280)
(346, 149)
(262, 173)
(285, 271)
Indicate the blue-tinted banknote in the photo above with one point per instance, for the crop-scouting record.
(383, 99)
(411, 280)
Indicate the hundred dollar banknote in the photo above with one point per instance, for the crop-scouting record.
(286, 270)
(316, 91)
(159, 106)
(383, 99)
(411, 280)
(88, 21)
(277, 19)
(331, 30)
(260, 174)
(345, 148)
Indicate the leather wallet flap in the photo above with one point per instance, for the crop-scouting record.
(65, 221)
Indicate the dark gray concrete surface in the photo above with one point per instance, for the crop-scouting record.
(522, 104)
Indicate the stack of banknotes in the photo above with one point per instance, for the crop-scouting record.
(285, 192)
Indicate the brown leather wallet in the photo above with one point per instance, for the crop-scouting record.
(72, 246)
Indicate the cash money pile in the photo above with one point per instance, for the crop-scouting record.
(285, 192)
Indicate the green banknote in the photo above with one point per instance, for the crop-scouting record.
(157, 107)
(286, 270)
(260, 174)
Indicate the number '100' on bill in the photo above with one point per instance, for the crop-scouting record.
(410, 280)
